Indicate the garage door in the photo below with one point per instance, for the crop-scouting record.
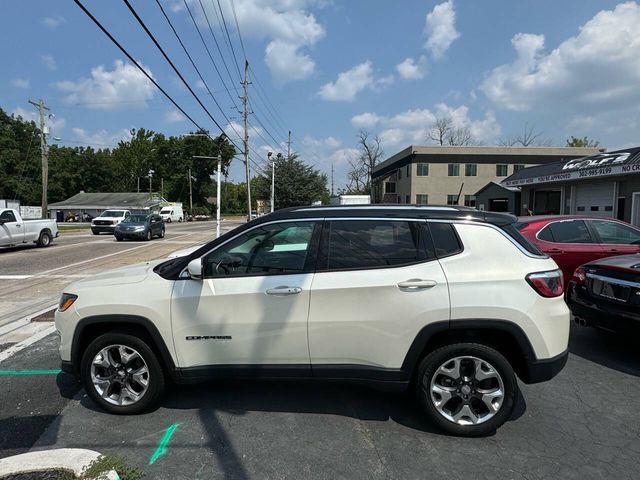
(595, 199)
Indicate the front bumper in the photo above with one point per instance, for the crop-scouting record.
(103, 228)
(131, 235)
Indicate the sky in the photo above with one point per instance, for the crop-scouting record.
(326, 69)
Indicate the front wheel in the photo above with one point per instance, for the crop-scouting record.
(121, 373)
(466, 389)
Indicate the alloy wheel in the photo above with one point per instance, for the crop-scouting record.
(120, 375)
(467, 390)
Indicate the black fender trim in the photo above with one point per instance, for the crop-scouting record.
(116, 321)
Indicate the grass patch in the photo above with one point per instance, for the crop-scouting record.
(104, 463)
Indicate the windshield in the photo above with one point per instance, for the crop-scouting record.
(113, 213)
(165, 210)
(136, 219)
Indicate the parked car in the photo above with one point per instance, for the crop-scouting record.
(172, 213)
(572, 240)
(16, 231)
(450, 301)
(140, 226)
(106, 222)
(605, 293)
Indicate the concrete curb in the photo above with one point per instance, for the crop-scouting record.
(74, 459)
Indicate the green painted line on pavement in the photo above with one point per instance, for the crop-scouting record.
(10, 373)
(162, 446)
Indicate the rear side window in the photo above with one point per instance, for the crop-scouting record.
(445, 239)
(360, 244)
(616, 233)
(571, 231)
(513, 231)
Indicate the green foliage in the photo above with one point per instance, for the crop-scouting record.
(582, 142)
(296, 184)
(103, 464)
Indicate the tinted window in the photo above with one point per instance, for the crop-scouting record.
(276, 248)
(513, 231)
(372, 243)
(572, 231)
(445, 239)
(612, 232)
(8, 216)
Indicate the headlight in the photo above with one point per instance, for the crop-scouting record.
(66, 300)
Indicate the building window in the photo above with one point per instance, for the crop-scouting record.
(471, 170)
(517, 168)
(407, 199)
(399, 198)
(399, 174)
(423, 169)
(408, 170)
(454, 169)
(452, 199)
(502, 170)
(422, 199)
(390, 187)
(470, 201)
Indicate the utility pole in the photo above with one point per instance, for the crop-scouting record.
(190, 195)
(245, 103)
(44, 154)
(289, 147)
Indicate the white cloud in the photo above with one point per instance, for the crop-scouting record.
(343, 155)
(20, 82)
(174, 116)
(200, 84)
(53, 123)
(328, 142)
(286, 25)
(49, 61)
(351, 82)
(409, 69)
(101, 138)
(593, 72)
(365, 120)
(53, 22)
(123, 87)
(234, 131)
(440, 29)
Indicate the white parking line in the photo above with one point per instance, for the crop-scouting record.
(9, 352)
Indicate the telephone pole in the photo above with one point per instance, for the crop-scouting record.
(45, 155)
(245, 104)
(190, 195)
(289, 147)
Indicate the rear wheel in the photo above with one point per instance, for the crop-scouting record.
(466, 389)
(149, 235)
(44, 240)
(121, 373)
(162, 232)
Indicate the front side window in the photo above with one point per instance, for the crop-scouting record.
(469, 200)
(471, 170)
(7, 216)
(422, 199)
(454, 170)
(422, 169)
(502, 170)
(571, 231)
(612, 232)
(358, 244)
(279, 248)
(452, 199)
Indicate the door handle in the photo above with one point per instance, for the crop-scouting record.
(18, 225)
(284, 290)
(555, 250)
(417, 284)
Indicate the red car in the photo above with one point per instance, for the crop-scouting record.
(573, 240)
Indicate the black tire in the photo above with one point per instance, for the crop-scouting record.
(118, 238)
(149, 235)
(180, 220)
(44, 240)
(94, 231)
(156, 375)
(427, 368)
(162, 232)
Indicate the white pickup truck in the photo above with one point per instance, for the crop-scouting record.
(16, 231)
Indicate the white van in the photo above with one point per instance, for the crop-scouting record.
(172, 213)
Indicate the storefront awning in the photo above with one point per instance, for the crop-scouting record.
(620, 162)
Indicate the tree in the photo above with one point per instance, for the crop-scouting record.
(296, 183)
(443, 132)
(582, 142)
(528, 138)
(369, 155)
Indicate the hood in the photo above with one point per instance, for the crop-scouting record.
(131, 224)
(120, 276)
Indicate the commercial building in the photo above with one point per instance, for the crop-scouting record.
(442, 175)
(605, 185)
(95, 203)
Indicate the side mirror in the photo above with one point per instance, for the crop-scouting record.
(195, 269)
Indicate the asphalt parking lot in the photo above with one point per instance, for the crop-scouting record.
(583, 424)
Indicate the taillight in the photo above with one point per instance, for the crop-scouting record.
(548, 284)
(579, 276)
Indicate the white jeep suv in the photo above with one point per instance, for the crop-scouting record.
(448, 301)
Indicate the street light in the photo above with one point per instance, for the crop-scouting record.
(273, 176)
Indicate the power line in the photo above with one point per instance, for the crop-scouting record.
(233, 9)
(134, 62)
(228, 38)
